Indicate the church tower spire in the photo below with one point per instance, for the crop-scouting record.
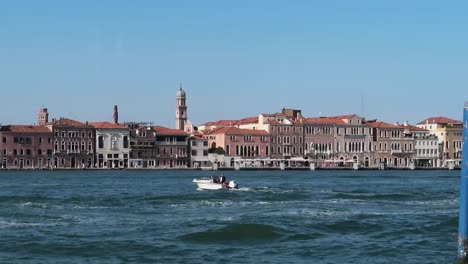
(181, 109)
(42, 116)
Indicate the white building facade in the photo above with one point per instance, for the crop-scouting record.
(199, 153)
(112, 145)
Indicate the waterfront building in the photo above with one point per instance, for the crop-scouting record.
(143, 150)
(239, 144)
(286, 134)
(354, 139)
(112, 144)
(172, 148)
(25, 147)
(199, 151)
(426, 147)
(393, 146)
(449, 134)
(158, 147)
(338, 141)
(73, 143)
(320, 142)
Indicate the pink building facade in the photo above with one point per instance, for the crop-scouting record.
(25, 147)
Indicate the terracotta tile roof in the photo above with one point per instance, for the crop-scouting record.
(323, 120)
(248, 120)
(160, 130)
(66, 122)
(107, 125)
(413, 128)
(380, 124)
(26, 129)
(221, 123)
(272, 122)
(439, 120)
(237, 131)
(343, 116)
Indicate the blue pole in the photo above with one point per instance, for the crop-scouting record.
(463, 221)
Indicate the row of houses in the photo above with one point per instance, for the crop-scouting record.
(67, 143)
(336, 141)
(285, 138)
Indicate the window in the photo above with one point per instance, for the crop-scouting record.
(4, 139)
(15, 139)
(205, 152)
(28, 152)
(21, 151)
(125, 142)
(205, 143)
(194, 152)
(4, 151)
(194, 143)
(100, 142)
(109, 156)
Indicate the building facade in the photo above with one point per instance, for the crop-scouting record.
(199, 152)
(449, 133)
(112, 145)
(73, 143)
(393, 146)
(25, 147)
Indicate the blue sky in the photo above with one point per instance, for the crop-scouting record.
(391, 60)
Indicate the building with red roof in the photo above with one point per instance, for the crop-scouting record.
(25, 147)
(73, 143)
(112, 144)
(449, 133)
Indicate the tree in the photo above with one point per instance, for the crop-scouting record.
(218, 150)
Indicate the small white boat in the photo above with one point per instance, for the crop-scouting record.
(215, 183)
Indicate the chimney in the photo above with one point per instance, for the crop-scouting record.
(116, 115)
(405, 123)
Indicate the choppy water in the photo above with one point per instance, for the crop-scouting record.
(275, 217)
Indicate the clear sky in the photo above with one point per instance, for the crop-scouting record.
(391, 60)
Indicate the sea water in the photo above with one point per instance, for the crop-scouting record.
(159, 216)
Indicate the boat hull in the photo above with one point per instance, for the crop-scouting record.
(207, 184)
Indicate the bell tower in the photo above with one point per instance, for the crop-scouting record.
(42, 116)
(181, 109)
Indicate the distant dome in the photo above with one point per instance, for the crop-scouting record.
(180, 93)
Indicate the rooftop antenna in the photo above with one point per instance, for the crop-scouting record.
(463, 214)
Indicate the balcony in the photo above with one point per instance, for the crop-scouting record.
(164, 143)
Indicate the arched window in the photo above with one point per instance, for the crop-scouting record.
(228, 150)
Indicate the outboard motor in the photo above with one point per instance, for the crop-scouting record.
(232, 185)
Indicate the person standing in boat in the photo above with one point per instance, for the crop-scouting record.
(222, 178)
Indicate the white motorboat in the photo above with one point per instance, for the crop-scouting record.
(215, 183)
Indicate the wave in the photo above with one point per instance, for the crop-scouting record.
(375, 196)
(250, 233)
